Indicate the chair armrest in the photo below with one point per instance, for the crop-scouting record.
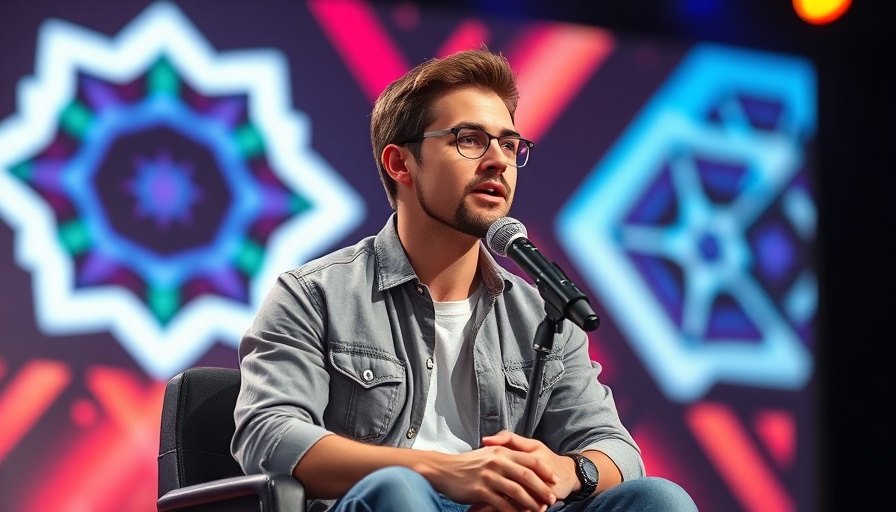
(275, 492)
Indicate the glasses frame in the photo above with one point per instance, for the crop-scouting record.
(456, 130)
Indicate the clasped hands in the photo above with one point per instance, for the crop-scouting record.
(509, 473)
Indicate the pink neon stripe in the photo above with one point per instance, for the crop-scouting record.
(120, 450)
(468, 35)
(114, 456)
(729, 448)
(115, 467)
(777, 429)
(363, 44)
(27, 397)
(652, 453)
(553, 62)
(122, 397)
(597, 353)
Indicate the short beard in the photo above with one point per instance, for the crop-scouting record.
(464, 221)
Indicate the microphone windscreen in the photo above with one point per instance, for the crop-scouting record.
(502, 232)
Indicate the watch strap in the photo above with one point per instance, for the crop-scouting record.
(588, 476)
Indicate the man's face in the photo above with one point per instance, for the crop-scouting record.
(464, 194)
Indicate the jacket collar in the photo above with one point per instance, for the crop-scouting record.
(393, 267)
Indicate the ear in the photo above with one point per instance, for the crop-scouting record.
(395, 159)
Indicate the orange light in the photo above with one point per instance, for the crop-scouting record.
(819, 12)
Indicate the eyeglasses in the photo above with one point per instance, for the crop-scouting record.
(473, 143)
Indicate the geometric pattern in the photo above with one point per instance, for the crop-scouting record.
(157, 187)
(697, 227)
(738, 460)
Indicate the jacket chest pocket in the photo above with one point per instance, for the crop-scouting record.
(516, 380)
(371, 391)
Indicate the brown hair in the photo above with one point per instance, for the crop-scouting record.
(405, 108)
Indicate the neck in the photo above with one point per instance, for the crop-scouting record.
(445, 260)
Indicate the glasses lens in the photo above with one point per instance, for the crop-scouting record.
(472, 142)
(522, 153)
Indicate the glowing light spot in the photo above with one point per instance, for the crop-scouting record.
(249, 257)
(820, 12)
(74, 236)
(84, 413)
(164, 190)
(777, 430)
(75, 119)
(163, 302)
(163, 78)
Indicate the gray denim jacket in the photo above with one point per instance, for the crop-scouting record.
(341, 345)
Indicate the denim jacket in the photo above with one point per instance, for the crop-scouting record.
(342, 345)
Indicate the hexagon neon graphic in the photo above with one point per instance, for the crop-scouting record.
(696, 229)
(157, 188)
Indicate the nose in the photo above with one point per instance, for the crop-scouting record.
(495, 158)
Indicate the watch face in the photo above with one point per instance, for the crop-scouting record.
(589, 469)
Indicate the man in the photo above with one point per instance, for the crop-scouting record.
(391, 375)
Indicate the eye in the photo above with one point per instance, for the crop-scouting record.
(510, 144)
(471, 138)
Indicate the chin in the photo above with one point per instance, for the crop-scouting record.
(476, 225)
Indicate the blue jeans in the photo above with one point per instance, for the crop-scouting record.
(398, 489)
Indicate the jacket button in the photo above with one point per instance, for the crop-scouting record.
(419, 289)
(367, 375)
(429, 364)
(411, 433)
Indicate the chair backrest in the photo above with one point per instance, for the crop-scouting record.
(197, 426)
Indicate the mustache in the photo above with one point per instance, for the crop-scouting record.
(499, 178)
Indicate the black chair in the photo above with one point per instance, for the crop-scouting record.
(196, 470)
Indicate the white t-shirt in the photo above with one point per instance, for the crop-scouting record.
(450, 421)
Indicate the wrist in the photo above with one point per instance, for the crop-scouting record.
(429, 464)
(587, 476)
(568, 475)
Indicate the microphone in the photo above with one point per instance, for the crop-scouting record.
(507, 237)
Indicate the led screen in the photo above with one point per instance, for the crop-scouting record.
(162, 163)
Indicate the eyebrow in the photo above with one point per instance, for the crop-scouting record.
(504, 133)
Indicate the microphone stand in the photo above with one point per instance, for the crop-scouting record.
(542, 344)
(561, 300)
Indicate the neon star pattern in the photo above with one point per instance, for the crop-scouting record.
(157, 187)
(694, 229)
(163, 190)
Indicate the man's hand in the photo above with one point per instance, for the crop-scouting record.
(563, 467)
(497, 478)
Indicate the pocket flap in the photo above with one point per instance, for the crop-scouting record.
(517, 374)
(366, 365)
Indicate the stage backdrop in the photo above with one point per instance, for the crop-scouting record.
(161, 163)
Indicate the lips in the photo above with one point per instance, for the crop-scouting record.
(491, 188)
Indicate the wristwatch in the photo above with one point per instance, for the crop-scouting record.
(588, 476)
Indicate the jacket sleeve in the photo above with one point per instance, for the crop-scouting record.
(284, 388)
(581, 413)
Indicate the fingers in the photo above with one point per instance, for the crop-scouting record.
(500, 439)
(511, 481)
(513, 441)
(524, 483)
(517, 443)
(499, 479)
